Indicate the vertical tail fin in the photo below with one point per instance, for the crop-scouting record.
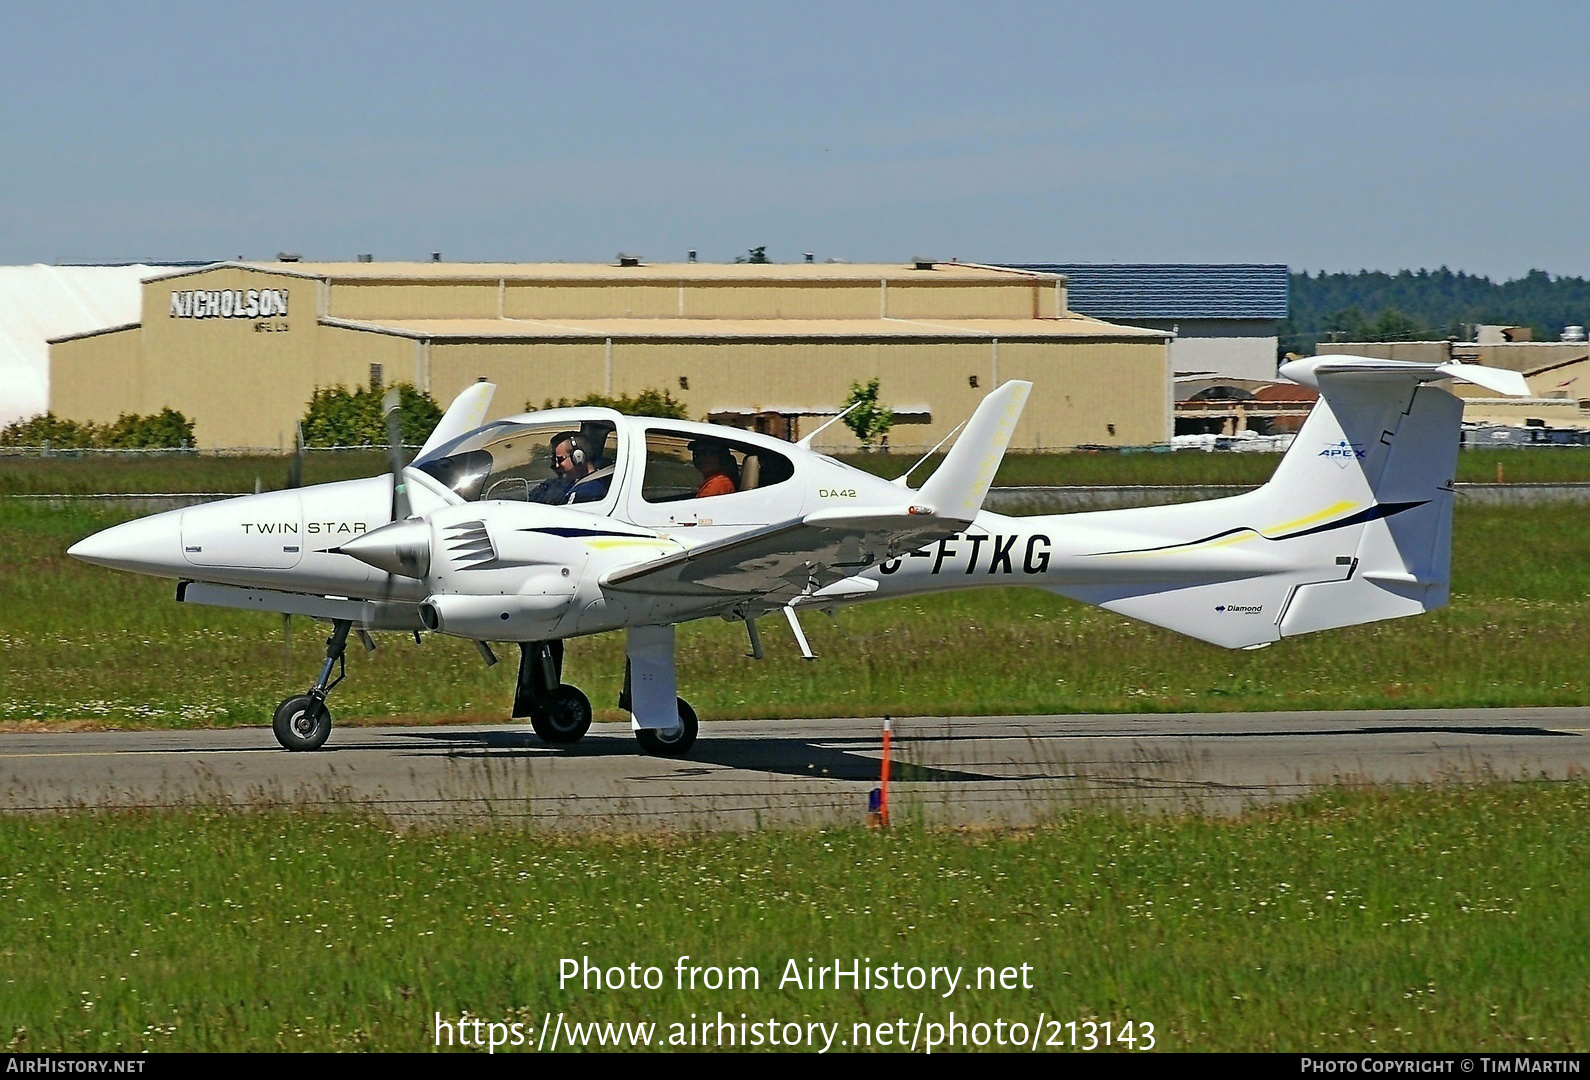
(1355, 526)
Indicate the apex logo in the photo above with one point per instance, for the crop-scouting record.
(1343, 452)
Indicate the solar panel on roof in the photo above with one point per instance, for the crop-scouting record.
(1172, 290)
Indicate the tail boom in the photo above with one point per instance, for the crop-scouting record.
(1354, 527)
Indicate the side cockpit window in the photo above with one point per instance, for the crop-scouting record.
(684, 466)
(555, 464)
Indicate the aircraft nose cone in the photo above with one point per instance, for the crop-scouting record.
(151, 545)
(402, 548)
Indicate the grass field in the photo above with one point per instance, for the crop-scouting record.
(84, 645)
(1449, 919)
(168, 473)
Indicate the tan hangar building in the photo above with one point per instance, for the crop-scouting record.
(240, 347)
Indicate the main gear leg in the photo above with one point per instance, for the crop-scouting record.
(559, 713)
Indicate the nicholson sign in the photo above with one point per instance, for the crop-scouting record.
(228, 303)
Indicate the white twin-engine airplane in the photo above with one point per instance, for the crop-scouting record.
(553, 525)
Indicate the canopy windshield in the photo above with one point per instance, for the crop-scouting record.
(553, 463)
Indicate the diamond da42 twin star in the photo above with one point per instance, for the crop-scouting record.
(649, 523)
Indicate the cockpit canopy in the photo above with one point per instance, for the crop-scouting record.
(558, 462)
(576, 457)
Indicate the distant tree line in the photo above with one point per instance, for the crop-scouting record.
(164, 430)
(1426, 305)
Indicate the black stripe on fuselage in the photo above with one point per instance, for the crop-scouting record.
(1373, 513)
(568, 534)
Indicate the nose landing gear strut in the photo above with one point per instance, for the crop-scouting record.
(303, 722)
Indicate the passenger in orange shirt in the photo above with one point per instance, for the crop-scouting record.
(719, 474)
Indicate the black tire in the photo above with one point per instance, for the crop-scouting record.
(565, 718)
(302, 723)
(671, 743)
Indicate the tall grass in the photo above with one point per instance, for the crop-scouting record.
(1448, 919)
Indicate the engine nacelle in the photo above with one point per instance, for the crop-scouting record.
(529, 615)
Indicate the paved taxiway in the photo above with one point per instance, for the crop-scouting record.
(744, 773)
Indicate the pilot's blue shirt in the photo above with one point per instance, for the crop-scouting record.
(592, 488)
(553, 491)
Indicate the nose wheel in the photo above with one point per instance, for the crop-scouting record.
(303, 722)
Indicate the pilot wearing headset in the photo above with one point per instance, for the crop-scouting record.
(581, 476)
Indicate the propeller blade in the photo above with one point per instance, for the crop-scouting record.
(390, 405)
(295, 470)
(411, 556)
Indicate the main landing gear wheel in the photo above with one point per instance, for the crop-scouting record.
(563, 717)
(671, 743)
(302, 723)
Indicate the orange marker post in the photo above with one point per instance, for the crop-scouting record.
(883, 807)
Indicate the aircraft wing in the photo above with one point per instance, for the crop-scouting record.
(784, 562)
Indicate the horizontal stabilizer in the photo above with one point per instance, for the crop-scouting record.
(1308, 372)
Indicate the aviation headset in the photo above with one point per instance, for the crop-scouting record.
(578, 449)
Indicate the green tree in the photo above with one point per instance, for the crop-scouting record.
(337, 416)
(48, 428)
(646, 403)
(755, 255)
(166, 429)
(1438, 303)
(870, 420)
(1392, 325)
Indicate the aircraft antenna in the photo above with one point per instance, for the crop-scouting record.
(805, 442)
(901, 479)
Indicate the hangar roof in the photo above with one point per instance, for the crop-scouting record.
(698, 271)
(1077, 327)
(1173, 290)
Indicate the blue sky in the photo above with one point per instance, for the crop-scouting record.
(1322, 135)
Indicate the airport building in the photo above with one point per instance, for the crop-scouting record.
(1225, 316)
(240, 347)
(39, 303)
